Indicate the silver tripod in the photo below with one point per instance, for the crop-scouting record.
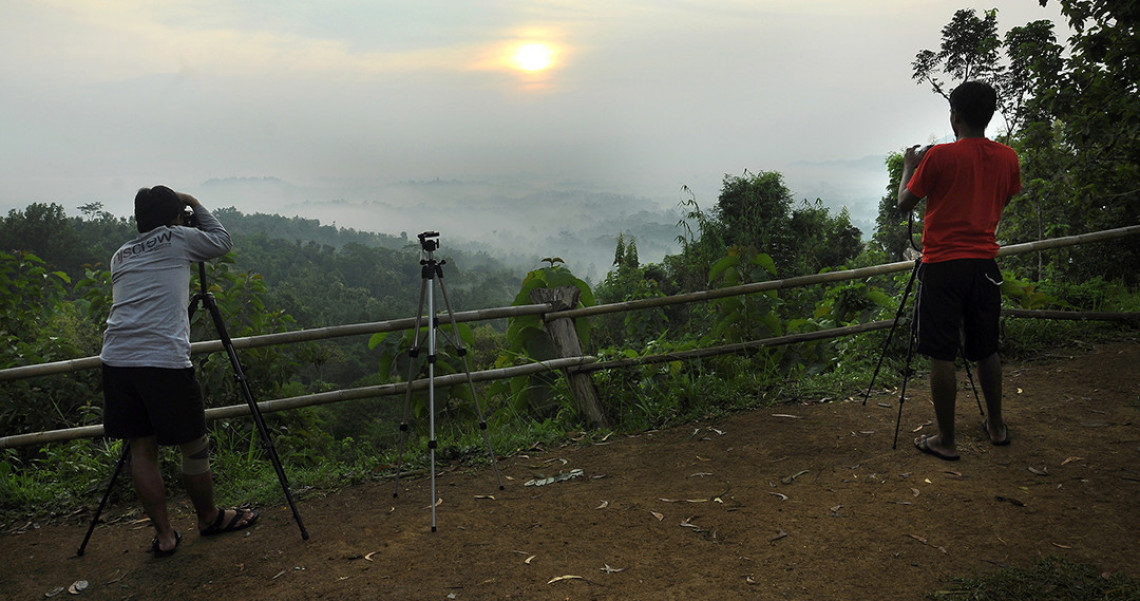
(432, 272)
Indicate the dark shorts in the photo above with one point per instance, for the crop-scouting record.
(152, 401)
(956, 299)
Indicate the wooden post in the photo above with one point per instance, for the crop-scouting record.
(566, 344)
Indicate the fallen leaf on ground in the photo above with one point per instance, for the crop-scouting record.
(792, 478)
(566, 577)
(657, 515)
(369, 556)
(607, 569)
(488, 497)
(778, 536)
(782, 496)
(529, 559)
(603, 505)
(1071, 459)
(788, 415)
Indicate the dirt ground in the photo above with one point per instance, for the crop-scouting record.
(803, 501)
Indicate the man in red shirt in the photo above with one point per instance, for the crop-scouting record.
(966, 184)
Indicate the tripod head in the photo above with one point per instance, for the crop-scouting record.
(429, 241)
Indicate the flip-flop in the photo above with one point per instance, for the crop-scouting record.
(160, 552)
(997, 443)
(922, 443)
(232, 526)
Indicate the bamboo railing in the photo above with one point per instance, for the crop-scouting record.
(571, 364)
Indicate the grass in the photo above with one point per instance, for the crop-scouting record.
(1050, 579)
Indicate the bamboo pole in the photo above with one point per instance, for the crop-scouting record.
(1071, 315)
(310, 400)
(739, 347)
(832, 276)
(215, 346)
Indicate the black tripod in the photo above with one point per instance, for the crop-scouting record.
(207, 300)
(431, 272)
(911, 340)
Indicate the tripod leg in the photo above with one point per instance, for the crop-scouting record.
(974, 389)
(431, 382)
(460, 350)
(891, 333)
(902, 393)
(106, 494)
(413, 353)
(254, 410)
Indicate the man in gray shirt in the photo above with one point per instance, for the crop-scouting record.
(151, 396)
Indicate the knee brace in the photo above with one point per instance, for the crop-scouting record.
(196, 456)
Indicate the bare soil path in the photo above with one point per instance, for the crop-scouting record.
(792, 502)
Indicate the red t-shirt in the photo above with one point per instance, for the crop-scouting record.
(966, 185)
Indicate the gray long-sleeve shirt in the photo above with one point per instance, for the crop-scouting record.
(148, 325)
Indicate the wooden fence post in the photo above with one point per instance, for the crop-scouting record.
(566, 344)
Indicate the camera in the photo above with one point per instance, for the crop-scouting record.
(188, 217)
(428, 240)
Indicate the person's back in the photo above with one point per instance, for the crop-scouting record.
(148, 324)
(967, 184)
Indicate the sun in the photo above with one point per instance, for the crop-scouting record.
(533, 56)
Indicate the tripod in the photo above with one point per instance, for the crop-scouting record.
(431, 272)
(207, 300)
(911, 340)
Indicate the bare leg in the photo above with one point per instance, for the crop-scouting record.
(944, 391)
(151, 491)
(200, 487)
(989, 375)
(201, 490)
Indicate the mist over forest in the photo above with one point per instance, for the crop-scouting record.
(521, 221)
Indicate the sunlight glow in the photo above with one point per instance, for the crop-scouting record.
(533, 56)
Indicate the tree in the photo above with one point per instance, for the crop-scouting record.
(823, 240)
(45, 231)
(1074, 119)
(891, 224)
(1081, 152)
(970, 50)
(755, 210)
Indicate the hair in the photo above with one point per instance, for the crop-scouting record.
(975, 102)
(156, 207)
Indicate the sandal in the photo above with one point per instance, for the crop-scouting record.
(922, 443)
(233, 525)
(158, 551)
(1001, 442)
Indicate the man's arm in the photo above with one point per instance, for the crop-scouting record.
(911, 158)
(210, 239)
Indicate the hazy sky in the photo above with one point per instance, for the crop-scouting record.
(99, 98)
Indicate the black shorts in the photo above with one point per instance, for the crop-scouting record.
(957, 298)
(152, 401)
